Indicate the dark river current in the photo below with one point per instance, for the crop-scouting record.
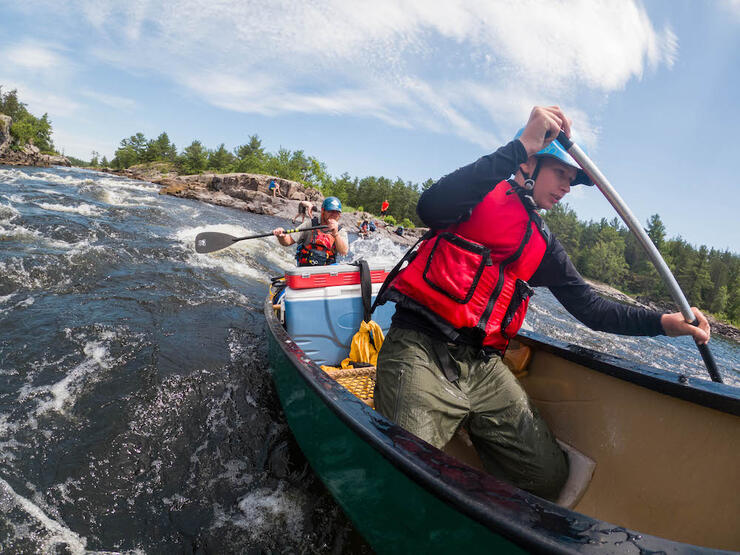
(137, 413)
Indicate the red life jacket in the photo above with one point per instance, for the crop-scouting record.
(318, 250)
(471, 278)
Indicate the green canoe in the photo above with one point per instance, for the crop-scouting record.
(663, 450)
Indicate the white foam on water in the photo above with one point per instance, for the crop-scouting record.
(378, 250)
(8, 212)
(235, 474)
(83, 209)
(55, 178)
(21, 304)
(14, 270)
(20, 233)
(128, 184)
(231, 260)
(9, 230)
(115, 195)
(56, 533)
(227, 264)
(49, 192)
(13, 174)
(265, 513)
(62, 394)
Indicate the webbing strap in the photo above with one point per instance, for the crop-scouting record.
(449, 366)
(397, 268)
(366, 287)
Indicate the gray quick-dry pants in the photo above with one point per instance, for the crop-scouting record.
(511, 438)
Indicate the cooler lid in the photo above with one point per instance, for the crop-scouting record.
(307, 277)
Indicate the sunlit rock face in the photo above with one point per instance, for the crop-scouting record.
(29, 155)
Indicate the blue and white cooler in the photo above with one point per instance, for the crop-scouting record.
(322, 306)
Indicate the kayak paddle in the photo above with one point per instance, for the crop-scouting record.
(650, 249)
(210, 241)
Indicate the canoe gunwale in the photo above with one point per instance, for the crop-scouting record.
(529, 521)
(722, 397)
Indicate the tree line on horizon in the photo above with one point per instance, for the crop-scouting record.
(363, 194)
(607, 251)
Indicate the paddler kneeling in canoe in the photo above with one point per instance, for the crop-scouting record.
(318, 247)
(465, 294)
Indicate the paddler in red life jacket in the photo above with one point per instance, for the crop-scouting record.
(319, 247)
(465, 294)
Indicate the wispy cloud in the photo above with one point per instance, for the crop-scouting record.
(42, 101)
(32, 56)
(463, 67)
(117, 102)
(733, 6)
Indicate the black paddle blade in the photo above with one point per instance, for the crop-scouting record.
(210, 241)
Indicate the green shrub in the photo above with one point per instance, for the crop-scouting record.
(408, 224)
(390, 220)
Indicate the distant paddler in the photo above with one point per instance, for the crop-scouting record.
(319, 247)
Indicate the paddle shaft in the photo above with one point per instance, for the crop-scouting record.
(211, 241)
(634, 225)
(296, 230)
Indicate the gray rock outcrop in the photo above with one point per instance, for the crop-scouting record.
(251, 192)
(29, 155)
(5, 137)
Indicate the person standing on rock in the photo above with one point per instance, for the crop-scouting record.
(305, 210)
(318, 247)
(384, 207)
(274, 189)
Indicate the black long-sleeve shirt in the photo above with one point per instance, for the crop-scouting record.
(452, 199)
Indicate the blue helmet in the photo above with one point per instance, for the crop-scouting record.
(332, 203)
(555, 150)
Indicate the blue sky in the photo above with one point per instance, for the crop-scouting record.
(405, 88)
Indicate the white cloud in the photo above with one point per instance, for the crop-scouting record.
(42, 101)
(117, 102)
(32, 56)
(465, 67)
(733, 6)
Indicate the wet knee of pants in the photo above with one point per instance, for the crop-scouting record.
(518, 446)
(553, 477)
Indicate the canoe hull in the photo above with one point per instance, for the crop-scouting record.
(403, 495)
(394, 514)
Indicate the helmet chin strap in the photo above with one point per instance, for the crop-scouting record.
(527, 190)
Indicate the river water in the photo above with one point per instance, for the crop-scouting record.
(136, 411)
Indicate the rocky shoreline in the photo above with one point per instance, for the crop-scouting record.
(29, 155)
(250, 192)
(722, 329)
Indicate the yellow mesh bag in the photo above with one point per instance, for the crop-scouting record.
(359, 381)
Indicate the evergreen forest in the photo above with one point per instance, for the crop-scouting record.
(26, 128)
(607, 251)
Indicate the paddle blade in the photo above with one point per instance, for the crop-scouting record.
(210, 241)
